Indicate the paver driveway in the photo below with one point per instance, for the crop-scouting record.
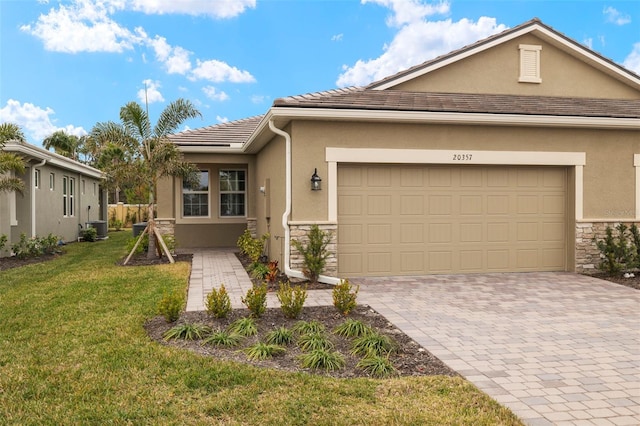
(556, 348)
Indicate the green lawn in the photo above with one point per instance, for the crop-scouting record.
(73, 350)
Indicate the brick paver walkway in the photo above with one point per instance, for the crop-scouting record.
(556, 348)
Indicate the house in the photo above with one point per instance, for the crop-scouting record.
(507, 155)
(60, 197)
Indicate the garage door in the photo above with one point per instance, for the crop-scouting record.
(410, 220)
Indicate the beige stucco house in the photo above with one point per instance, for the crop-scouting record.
(60, 196)
(506, 155)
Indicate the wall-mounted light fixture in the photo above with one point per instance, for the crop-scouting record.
(316, 182)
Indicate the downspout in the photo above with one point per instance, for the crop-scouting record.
(287, 211)
(33, 196)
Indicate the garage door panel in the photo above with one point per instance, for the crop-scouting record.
(451, 219)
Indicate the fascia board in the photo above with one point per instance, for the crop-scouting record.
(454, 118)
(54, 159)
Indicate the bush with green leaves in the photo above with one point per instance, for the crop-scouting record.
(373, 344)
(252, 247)
(89, 234)
(291, 299)
(171, 305)
(280, 336)
(223, 338)
(314, 252)
(344, 297)
(35, 247)
(187, 331)
(261, 351)
(218, 302)
(377, 366)
(244, 327)
(616, 252)
(351, 328)
(635, 244)
(256, 300)
(3, 241)
(322, 359)
(259, 270)
(305, 327)
(314, 340)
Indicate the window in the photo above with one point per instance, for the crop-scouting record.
(82, 183)
(68, 194)
(195, 200)
(94, 188)
(52, 181)
(530, 63)
(36, 179)
(232, 193)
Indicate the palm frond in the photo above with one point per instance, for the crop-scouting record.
(10, 162)
(8, 184)
(176, 113)
(11, 132)
(136, 121)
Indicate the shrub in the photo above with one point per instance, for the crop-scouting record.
(314, 253)
(89, 234)
(116, 224)
(258, 270)
(305, 327)
(223, 338)
(170, 306)
(280, 336)
(615, 252)
(3, 241)
(218, 302)
(187, 331)
(351, 328)
(343, 298)
(256, 300)
(244, 327)
(143, 247)
(373, 344)
(377, 366)
(261, 351)
(252, 247)
(273, 273)
(34, 247)
(314, 340)
(322, 359)
(291, 299)
(635, 242)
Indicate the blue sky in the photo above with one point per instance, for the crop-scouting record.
(70, 64)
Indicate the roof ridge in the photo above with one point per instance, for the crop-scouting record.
(219, 125)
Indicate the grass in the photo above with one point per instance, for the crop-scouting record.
(73, 350)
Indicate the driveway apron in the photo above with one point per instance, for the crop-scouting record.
(556, 348)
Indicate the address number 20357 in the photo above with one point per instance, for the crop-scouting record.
(462, 157)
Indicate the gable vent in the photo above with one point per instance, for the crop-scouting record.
(530, 63)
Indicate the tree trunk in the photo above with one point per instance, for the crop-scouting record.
(151, 253)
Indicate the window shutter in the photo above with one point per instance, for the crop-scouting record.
(530, 64)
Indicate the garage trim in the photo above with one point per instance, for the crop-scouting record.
(333, 156)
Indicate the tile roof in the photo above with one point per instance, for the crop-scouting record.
(395, 100)
(223, 134)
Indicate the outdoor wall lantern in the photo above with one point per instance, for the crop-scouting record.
(316, 182)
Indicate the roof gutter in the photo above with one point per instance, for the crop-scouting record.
(287, 211)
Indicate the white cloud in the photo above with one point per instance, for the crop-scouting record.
(632, 61)
(411, 11)
(258, 99)
(337, 37)
(83, 26)
(212, 93)
(615, 17)
(588, 42)
(215, 8)
(176, 59)
(416, 42)
(218, 71)
(221, 119)
(152, 93)
(35, 121)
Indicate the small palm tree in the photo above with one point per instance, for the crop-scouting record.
(63, 144)
(10, 163)
(152, 154)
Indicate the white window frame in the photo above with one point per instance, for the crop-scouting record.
(186, 190)
(68, 196)
(36, 179)
(242, 192)
(52, 181)
(530, 63)
(72, 193)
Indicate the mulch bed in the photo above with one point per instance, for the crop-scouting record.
(410, 359)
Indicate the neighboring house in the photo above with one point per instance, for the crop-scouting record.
(60, 196)
(507, 155)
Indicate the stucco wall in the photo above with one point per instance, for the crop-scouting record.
(497, 71)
